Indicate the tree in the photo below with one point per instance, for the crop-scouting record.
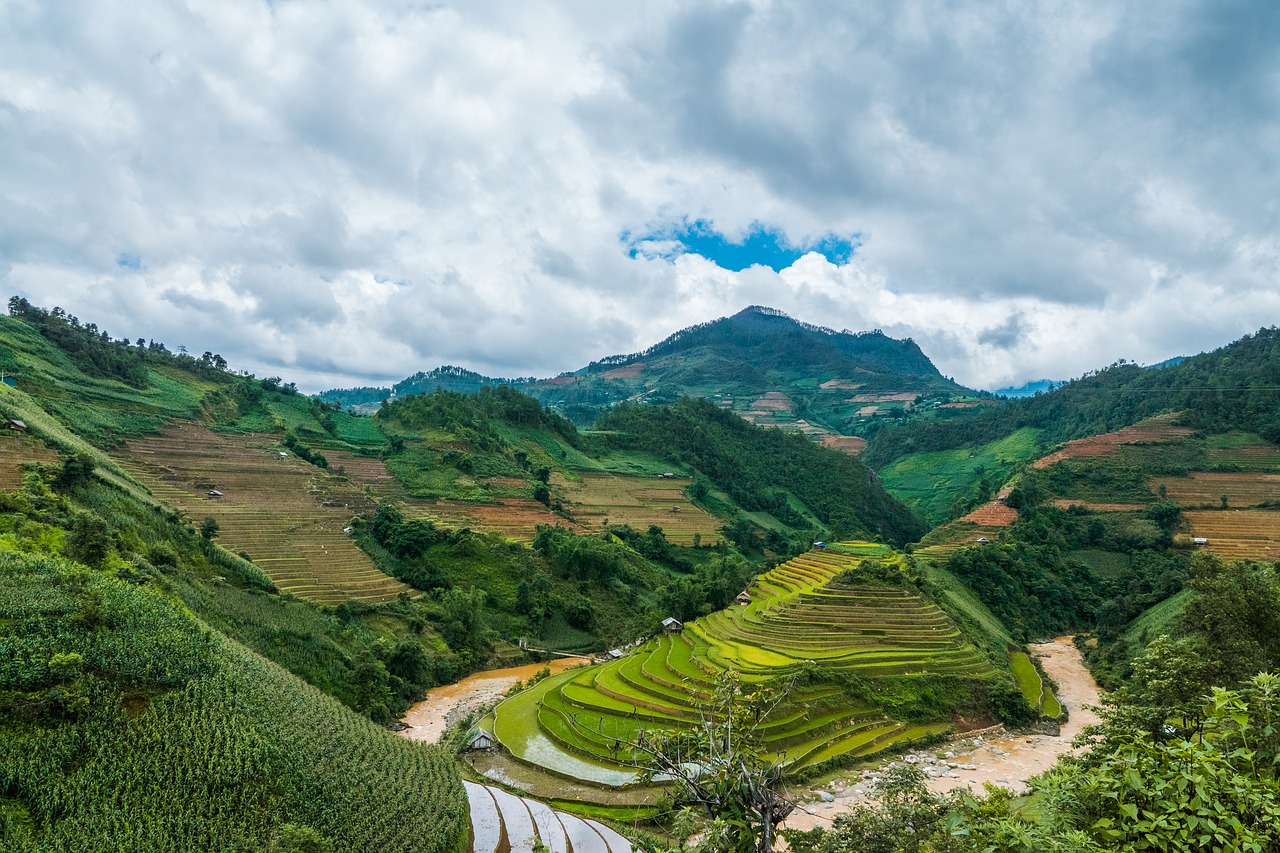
(719, 769)
(209, 528)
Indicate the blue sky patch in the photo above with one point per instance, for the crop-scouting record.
(763, 244)
(128, 261)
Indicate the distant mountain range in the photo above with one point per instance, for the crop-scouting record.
(760, 363)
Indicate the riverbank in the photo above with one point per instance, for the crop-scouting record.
(976, 759)
(443, 706)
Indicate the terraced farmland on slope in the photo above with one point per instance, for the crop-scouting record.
(595, 498)
(286, 514)
(580, 722)
(1238, 534)
(17, 449)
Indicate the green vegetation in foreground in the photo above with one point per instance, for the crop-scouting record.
(126, 724)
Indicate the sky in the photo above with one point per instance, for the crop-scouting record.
(345, 193)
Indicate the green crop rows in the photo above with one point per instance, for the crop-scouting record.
(581, 723)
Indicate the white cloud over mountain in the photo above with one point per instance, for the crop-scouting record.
(349, 192)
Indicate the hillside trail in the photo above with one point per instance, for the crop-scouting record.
(1003, 760)
(445, 705)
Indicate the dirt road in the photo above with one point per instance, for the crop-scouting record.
(976, 759)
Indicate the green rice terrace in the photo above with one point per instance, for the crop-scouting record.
(810, 617)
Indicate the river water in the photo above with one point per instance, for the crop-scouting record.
(1001, 760)
(428, 719)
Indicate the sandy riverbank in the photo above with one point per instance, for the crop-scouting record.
(442, 706)
(994, 757)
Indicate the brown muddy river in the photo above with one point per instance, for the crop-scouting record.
(428, 719)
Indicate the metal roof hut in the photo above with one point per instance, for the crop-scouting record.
(672, 625)
(743, 597)
(15, 424)
(480, 740)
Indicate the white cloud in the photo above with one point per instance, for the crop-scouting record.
(347, 191)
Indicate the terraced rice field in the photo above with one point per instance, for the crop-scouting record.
(993, 513)
(504, 823)
(286, 514)
(596, 497)
(579, 723)
(1202, 488)
(1244, 450)
(851, 444)
(1238, 533)
(1157, 430)
(17, 448)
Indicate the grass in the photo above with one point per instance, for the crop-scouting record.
(1107, 565)
(932, 483)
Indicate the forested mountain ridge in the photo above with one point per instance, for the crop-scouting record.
(758, 362)
(1235, 387)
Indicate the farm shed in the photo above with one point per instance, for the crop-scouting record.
(480, 741)
(743, 597)
(615, 654)
(672, 625)
(15, 424)
(1200, 540)
(820, 545)
(214, 493)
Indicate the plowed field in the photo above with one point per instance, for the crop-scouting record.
(1242, 489)
(1157, 430)
(15, 449)
(595, 498)
(1238, 533)
(286, 514)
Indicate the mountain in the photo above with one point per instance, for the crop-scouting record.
(760, 363)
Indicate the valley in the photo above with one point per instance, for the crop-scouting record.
(766, 570)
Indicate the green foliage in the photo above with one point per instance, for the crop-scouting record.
(945, 484)
(1031, 587)
(1213, 790)
(1236, 612)
(1231, 388)
(128, 724)
(751, 463)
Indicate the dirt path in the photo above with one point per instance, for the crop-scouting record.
(442, 706)
(975, 759)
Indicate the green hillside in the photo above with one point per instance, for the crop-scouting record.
(759, 363)
(108, 685)
(873, 662)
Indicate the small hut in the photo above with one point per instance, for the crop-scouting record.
(15, 425)
(480, 741)
(743, 597)
(821, 546)
(615, 654)
(214, 493)
(672, 625)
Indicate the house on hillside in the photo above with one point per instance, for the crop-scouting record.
(821, 546)
(1200, 540)
(214, 493)
(15, 425)
(616, 654)
(744, 597)
(672, 625)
